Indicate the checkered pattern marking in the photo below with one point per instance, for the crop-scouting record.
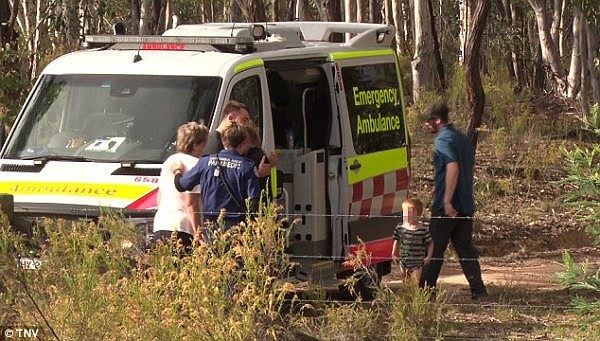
(380, 195)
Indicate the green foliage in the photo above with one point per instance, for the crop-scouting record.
(90, 287)
(582, 278)
(410, 314)
(508, 110)
(584, 177)
(414, 313)
(456, 96)
(14, 84)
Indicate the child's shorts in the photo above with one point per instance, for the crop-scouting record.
(411, 266)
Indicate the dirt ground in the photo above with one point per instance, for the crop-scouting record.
(531, 273)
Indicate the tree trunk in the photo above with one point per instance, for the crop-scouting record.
(538, 74)
(463, 17)
(407, 28)
(424, 76)
(145, 17)
(399, 23)
(556, 17)
(71, 21)
(135, 17)
(550, 54)
(574, 77)
(583, 96)
(256, 9)
(168, 19)
(475, 93)
(514, 23)
(291, 10)
(330, 10)
(236, 11)
(359, 11)
(593, 58)
(159, 16)
(387, 12)
(279, 10)
(561, 29)
(8, 35)
(436, 48)
(303, 10)
(375, 12)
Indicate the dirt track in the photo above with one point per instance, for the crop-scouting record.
(532, 274)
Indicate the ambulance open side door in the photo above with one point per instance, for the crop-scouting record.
(375, 172)
(248, 85)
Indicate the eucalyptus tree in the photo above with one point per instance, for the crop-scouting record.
(549, 48)
(8, 35)
(474, 86)
(425, 77)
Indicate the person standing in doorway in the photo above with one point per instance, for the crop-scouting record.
(453, 204)
(237, 112)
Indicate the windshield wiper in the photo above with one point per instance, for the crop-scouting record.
(46, 158)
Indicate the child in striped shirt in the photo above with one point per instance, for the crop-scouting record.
(413, 247)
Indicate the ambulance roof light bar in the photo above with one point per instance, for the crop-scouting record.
(240, 44)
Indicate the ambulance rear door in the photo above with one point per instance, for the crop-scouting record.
(374, 165)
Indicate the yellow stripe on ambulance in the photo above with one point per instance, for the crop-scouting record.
(113, 191)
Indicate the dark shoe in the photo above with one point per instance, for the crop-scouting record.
(478, 295)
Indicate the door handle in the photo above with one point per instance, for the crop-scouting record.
(355, 166)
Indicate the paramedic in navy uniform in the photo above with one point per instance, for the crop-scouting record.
(226, 179)
(236, 112)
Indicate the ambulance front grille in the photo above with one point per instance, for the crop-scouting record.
(7, 167)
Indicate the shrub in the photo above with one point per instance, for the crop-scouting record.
(89, 287)
(584, 177)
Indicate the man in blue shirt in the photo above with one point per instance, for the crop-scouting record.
(452, 209)
(226, 179)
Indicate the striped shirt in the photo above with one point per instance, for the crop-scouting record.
(413, 245)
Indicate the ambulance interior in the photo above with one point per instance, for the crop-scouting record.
(302, 124)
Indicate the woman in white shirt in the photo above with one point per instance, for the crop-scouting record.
(179, 213)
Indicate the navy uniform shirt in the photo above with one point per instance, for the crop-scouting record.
(452, 145)
(239, 172)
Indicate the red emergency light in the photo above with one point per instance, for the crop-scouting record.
(163, 46)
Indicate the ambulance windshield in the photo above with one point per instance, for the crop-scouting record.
(110, 118)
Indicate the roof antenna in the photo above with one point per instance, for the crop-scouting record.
(137, 56)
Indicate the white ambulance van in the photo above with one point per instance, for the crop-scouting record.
(99, 122)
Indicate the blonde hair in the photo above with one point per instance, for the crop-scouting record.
(189, 134)
(233, 135)
(414, 203)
